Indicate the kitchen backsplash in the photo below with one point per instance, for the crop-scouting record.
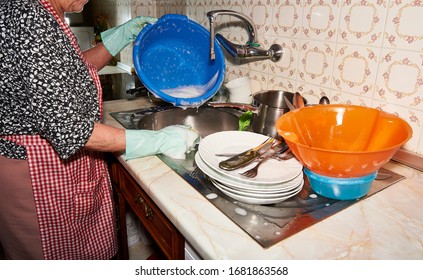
(356, 52)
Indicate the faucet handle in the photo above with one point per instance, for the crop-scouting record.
(276, 51)
(251, 49)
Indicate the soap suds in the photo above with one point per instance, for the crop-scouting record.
(191, 91)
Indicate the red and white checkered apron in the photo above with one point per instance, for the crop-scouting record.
(73, 197)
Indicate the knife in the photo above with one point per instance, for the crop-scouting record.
(289, 104)
(246, 157)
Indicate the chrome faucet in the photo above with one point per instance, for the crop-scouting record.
(250, 49)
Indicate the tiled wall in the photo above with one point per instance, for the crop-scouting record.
(357, 52)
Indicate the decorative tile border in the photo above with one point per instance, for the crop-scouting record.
(320, 19)
(355, 69)
(260, 13)
(341, 97)
(404, 25)
(400, 78)
(287, 16)
(278, 83)
(362, 22)
(315, 62)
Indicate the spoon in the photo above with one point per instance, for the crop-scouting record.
(324, 100)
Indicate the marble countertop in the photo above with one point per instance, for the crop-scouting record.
(387, 225)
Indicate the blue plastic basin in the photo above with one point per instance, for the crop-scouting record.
(174, 52)
(340, 188)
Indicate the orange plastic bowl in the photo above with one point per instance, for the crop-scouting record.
(343, 141)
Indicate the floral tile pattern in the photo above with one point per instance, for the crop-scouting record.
(355, 69)
(400, 78)
(260, 13)
(404, 25)
(313, 94)
(315, 62)
(320, 19)
(258, 80)
(287, 16)
(362, 22)
(363, 52)
(287, 66)
(278, 83)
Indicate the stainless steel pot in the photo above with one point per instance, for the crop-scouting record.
(268, 106)
(271, 105)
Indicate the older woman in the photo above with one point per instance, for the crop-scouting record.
(55, 192)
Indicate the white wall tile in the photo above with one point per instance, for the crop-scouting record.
(400, 79)
(287, 17)
(315, 62)
(320, 19)
(366, 53)
(363, 22)
(404, 25)
(355, 69)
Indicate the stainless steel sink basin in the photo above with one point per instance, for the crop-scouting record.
(204, 120)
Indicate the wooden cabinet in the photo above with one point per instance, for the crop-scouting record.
(127, 192)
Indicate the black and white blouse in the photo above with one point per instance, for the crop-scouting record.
(45, 86)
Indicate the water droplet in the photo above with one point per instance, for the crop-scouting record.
(241, 211)
(313, 195)
(211, 196)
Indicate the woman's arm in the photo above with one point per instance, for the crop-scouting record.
(106, 138)
(98, 56)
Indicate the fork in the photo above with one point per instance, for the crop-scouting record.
(251, 173)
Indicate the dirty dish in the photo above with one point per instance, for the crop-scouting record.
(256, 199)
(343, 141)
(278, 194)
(245, 184)
(271, 172)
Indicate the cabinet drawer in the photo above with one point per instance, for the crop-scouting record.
(167, 237)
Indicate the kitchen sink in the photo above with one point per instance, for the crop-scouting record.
(204, 120)
(266, 224)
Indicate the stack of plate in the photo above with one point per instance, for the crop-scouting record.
(276, 181)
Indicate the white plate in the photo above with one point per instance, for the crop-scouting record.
(255, 194)
(253, 200)
(276, 188)
(271, 171)
(242, 185)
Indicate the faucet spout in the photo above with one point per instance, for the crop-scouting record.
(250, 49)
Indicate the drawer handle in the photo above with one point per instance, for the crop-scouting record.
(148, 211)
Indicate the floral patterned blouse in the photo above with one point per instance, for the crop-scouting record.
(45, 86)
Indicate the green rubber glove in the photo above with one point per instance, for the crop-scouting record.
(173, 141)
(117, 38)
